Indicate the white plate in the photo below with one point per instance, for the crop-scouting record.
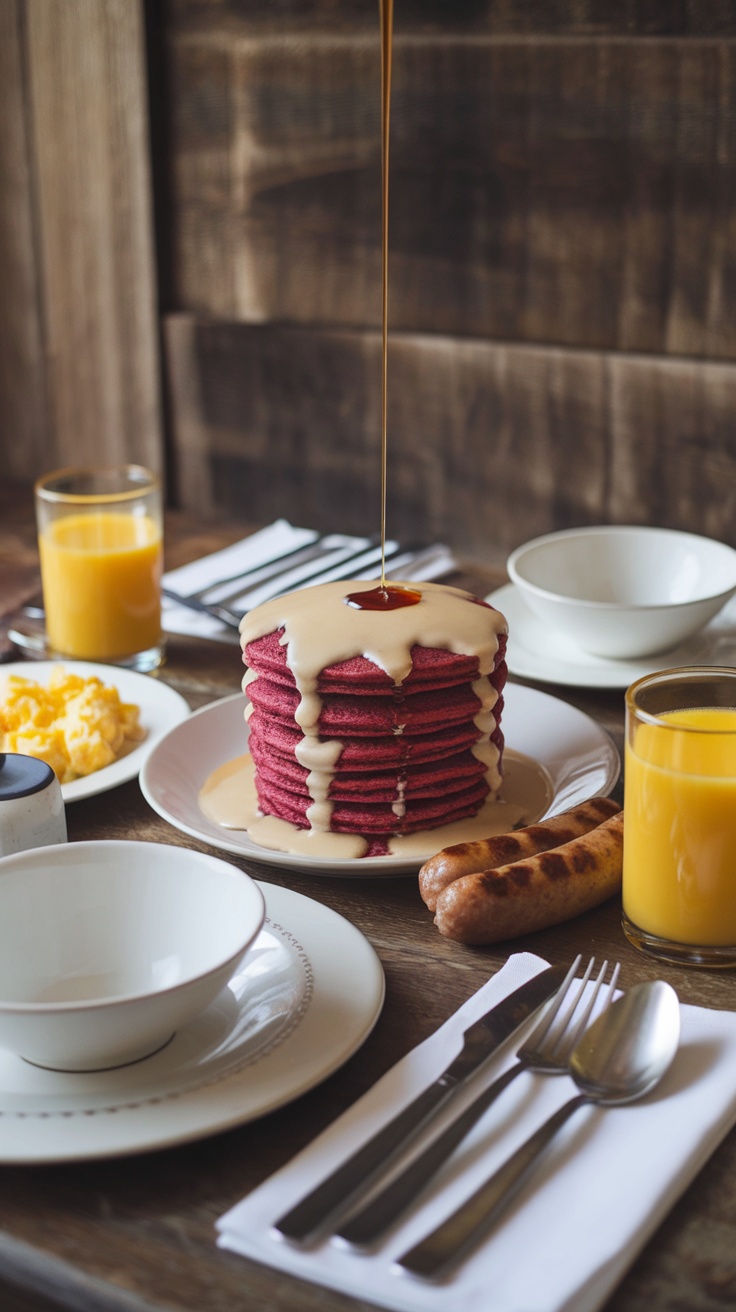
(161, 709)
(306, 997)
(537, 652)
(579, 757)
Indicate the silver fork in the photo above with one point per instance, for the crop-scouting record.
(546, 1050)
(318, 571)
(325, 559)
(276, 565)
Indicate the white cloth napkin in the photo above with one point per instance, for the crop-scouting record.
(248, 557)
(593, 1202)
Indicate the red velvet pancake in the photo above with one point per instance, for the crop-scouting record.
(406, 761)
(428, 780)
(345, 716)
(280, 739)
(431, 668)
(373, 818)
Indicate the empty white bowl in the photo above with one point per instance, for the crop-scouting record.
(624, 591)
(107, 948)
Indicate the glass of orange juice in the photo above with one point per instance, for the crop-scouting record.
(100, 541)
(679, 880)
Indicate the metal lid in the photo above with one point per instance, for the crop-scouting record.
(22, 775)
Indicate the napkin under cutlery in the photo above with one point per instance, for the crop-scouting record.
(593, 1203)
(250, 554)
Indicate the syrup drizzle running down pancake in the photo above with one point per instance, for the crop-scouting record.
(318, 632)
(228, 798)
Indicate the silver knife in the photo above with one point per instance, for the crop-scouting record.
(480, 1040)
(317, 572)
(336, 564)
(328, 554)
(219, 613)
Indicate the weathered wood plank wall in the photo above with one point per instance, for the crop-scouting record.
(490, 443)
(566, 191)
(563, 264)
(79, 336)
(23, 400)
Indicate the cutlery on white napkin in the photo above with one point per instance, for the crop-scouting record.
(252, 553)
(592, 1204)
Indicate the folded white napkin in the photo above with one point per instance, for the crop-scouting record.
(593, 1202)
(250, 557)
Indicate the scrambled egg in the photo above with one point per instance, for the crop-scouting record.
(77, 725)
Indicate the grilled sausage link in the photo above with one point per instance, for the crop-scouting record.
(543, 890)
(490, 853)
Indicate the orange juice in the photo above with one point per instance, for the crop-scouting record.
(101, 584)
(679, 878)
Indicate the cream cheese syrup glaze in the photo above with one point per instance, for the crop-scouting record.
(319, 630)
(228, 798)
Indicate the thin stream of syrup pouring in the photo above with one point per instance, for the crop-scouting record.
(386, 596)
(229, 795)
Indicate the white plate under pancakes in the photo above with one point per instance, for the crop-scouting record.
(579, 757)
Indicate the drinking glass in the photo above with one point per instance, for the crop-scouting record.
(100, 541)
(679, 879)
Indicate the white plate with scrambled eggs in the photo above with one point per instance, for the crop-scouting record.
(94, 724)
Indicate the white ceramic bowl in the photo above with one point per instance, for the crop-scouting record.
(623, 591)
(107, 948)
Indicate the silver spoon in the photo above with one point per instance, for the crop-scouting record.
(620, 1058)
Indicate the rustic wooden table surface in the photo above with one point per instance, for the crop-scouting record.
(137, 1234)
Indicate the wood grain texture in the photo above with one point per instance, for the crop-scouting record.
(489, 444)
(571, 190)
(506, 17)
(23, 415)
(137, 1235)
(87, 124)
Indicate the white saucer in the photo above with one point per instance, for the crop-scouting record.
(161, 709)
(306, 997)
(537, 652)
(579, 757)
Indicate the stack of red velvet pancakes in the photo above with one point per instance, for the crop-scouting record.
(384, 757)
